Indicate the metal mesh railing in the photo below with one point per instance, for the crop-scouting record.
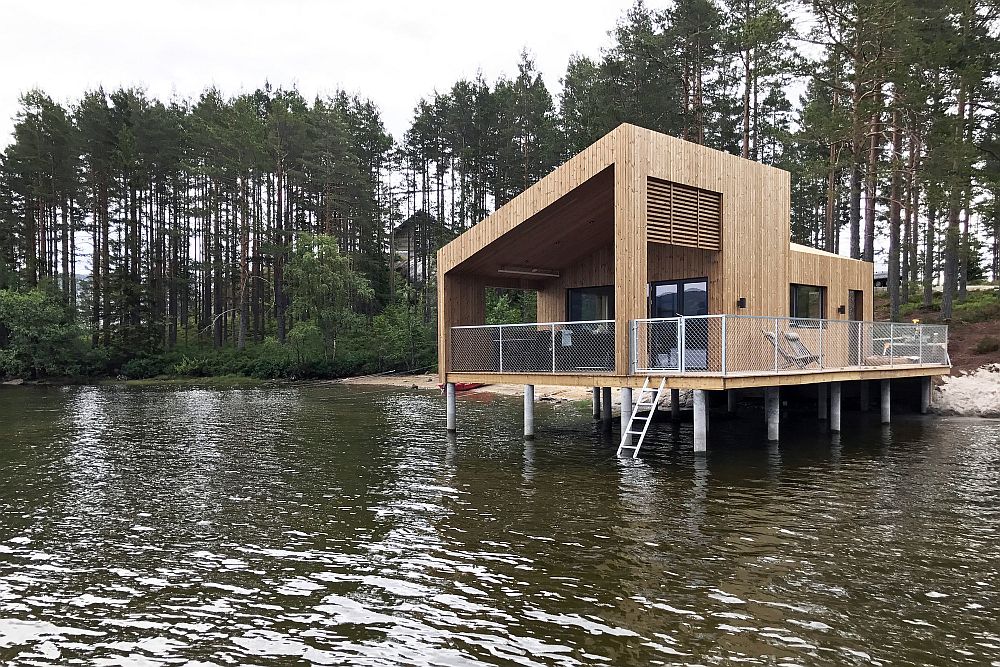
(742, 344)
(550, 347)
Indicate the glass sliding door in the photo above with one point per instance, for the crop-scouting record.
(679, 298)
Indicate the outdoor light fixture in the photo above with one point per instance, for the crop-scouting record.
(741, 302)
(841, 309)
(529, 271)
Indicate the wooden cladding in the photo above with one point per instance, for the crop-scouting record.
(683, 215)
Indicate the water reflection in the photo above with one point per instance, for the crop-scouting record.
(321, 525)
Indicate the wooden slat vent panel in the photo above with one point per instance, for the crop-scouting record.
(683, 215)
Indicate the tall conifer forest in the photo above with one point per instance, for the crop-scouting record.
(253, 234)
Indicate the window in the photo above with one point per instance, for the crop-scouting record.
(678, 297)
(808, 301)
(585, 304)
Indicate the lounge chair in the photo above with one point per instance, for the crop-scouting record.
(798, 355)
(802, 354)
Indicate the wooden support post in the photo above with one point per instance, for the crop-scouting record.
(865, 398)
(821, 401)
(597, 402)
(700, 420)
(449, 391)
(772, 409)
(731, 401)
(925, 395)
(886, 400)
(626, 406)
(529, 411)
(675, 404)
(835, 392)
(606, 405)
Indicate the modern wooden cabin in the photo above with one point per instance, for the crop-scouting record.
(654, 257)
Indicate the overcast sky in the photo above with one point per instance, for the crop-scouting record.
(392, 51)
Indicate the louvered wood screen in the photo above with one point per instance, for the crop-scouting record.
(683, 215)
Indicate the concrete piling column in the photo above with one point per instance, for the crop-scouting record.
(925, 395)
(626, 407)
(529, 411)
(597, 402)
(730, 401)
(835, 391)
(886, 400)
(606, 404)
(821, 401)
(449, 392)
(675, 404)
(700, 420)
(772, 409)
(865, 399)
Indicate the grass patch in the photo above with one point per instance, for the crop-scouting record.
(979, 306)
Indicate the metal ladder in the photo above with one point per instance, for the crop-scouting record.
(629, 431)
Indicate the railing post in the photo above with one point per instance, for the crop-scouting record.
(633, 354)
(500, 329)
(776, 344)
(822, 325)
(892, 345)
(724, 346)
(681, 342)
(920, 344)
(861, 335)
(553, 326)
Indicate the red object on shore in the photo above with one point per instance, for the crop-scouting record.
(464, 386)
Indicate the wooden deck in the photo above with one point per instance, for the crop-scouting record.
(707, 381)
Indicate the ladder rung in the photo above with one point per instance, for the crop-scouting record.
(634, 432)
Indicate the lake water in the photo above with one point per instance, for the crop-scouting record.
(334, 525)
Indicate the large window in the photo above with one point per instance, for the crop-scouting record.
(590, 303)
(808, 301)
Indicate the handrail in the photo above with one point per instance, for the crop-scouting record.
(714, 344)
(730, 344)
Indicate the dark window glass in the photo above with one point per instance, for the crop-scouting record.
(808, 301)
(591, 303)
(696, 298)
(679, 297)
(665, 301)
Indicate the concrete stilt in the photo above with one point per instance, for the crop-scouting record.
(886, 400)
(730, 401)
(865, 398)
(597, 402)
(821, 401)
(449, 392)
(700, 420)
(772, 409)
(835, 391)
(529, 411)
(606, 405)
(675, 404)
(626, 406)
(925, 395)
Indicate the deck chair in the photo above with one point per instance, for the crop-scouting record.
(799, 358)
(802, 355)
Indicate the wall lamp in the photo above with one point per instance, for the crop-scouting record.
(841, 309)
(741, 302)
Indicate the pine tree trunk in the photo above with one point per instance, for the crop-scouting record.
(894, 209)
(952, 235)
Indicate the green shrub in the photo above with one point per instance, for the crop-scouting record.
(988, 344)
